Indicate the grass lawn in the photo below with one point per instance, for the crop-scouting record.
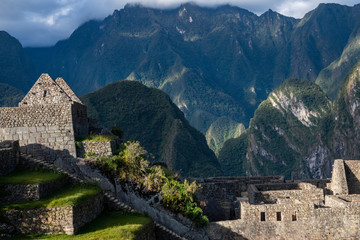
(69, 195)
(96, 137)
(26, 176)
(108, 226)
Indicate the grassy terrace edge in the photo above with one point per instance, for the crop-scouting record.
(96, 137)
(70, 195)
(26, 176)
(109, 225)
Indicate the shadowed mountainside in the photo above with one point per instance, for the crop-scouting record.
(148, 115)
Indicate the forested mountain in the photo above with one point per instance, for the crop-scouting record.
(213, 62)
(298, 130)
(16, 70)
(149, 116)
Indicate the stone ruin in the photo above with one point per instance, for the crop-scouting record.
(296, 209)
(46, 121)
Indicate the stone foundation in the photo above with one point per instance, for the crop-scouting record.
(58, 220)
(30, 192)
(98, 148)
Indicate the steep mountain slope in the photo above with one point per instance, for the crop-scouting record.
(344, 140)
(222, 130)
(16, 68)
(148, 115)
(298, 130)
(10, 96)
(284, 127)
(330, 78)
(212, 62)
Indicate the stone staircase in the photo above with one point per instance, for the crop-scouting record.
(166, 233)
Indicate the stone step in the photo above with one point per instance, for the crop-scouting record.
(175, 235)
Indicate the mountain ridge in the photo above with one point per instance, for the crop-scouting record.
(298, 131)
(148, 115)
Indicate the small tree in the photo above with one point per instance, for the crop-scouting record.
(135, 165)
(117, 132)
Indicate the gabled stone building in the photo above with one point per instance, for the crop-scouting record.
(46, 121)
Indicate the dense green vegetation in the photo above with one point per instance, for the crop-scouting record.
(131, 166)
(180, 198)
(276, 141)
(69, 195)
(222, 130)
(26, 176)
(10, 96)
(231, 165)
(311, 95)
(148, 115)
(108, 226)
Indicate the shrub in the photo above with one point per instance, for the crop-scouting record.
(131, 166)
(117, 132)
(180, 198)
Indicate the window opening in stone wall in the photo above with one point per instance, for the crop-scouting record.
(44, 95)
(262, 216)
(293, 217)
(278, 216)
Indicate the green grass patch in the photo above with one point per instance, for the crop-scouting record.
(70, 195)
(109, 225)
(97, 137)
(26, 176)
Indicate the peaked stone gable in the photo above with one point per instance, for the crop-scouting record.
(61, 82)
(45, 92)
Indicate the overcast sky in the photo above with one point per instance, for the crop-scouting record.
(44, 22)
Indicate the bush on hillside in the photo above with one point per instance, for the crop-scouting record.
(131, 166)
(180, 198)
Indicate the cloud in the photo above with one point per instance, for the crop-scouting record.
(298, 8)
(44, 22)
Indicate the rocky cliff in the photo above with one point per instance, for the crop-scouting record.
(298, 131)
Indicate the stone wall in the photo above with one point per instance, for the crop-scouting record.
(303, 191)
(241, 183)
(79, 119)
(219, 195)
(58, 220)
(175, 222)
(99, 148)
(44, 130)
(310, 223)
(338, 179)
(87, 211)
(30, 192)
(352, 170)
(9, 156)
